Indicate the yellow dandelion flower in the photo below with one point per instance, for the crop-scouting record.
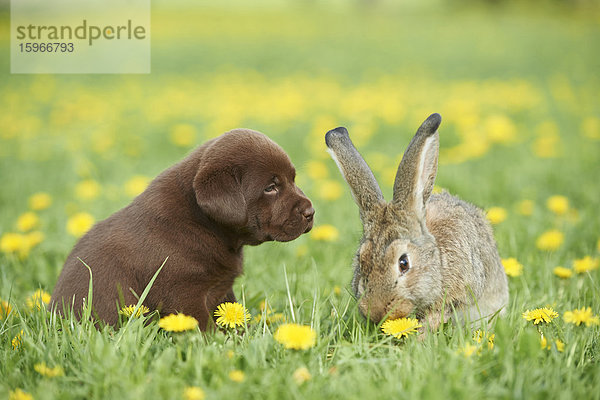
(103, 141)
(48, 372)
(39, 201)
(590, 127)
(128, 311)
(193, 393)
(337, 290)
(17, 341)
(327, 233)
(34, 238)
(550, 240)
(237, 376)
(329, 190)
(178, 323)
(231, 314)
(400, 327)
(525, 207)
(500, 129)
(136, 185)
(580, 316)
(468, 350)
(538, 315)
(512, 267)
(270, 318)
(547, 146)
(264, 306)
(12, 242)
(79, 224)
(301, 375)
(478, 337)
(19, 243)
(317, 170)
(5, 309)
(27, 221)
(560, 346)
(559, 205)
(275, 318)
(496, 215)
(38, 300)
(585, 264)
(88, 189)
(19, 394)
(544, 343)
(230, 354)
(183, 135)
(294, 336)
(562, 272)
(490, 342)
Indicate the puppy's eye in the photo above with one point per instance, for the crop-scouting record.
(403, 264)
(272, 188)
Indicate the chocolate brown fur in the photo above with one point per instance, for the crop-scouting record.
(235, 190)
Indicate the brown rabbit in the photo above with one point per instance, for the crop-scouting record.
(422, 253)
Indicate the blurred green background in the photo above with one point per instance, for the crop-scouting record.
(517, 85)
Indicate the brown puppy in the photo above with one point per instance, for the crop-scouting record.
(235, 190)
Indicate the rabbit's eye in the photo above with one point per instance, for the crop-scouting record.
(403, 264)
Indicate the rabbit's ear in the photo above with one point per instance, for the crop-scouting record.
(356, 172)
(417, 170)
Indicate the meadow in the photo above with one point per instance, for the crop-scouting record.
(517, 89)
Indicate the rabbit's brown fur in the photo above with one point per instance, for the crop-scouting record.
(421, 253)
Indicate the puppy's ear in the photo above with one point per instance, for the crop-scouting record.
(219, 195)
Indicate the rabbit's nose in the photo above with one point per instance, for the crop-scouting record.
(376, 318)
(375, 314)
(395, 313)
(399, 309)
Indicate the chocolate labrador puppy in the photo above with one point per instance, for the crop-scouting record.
(235, 190)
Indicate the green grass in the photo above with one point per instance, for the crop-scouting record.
(294, 73)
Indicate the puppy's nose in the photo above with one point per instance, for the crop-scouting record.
(308, 213)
